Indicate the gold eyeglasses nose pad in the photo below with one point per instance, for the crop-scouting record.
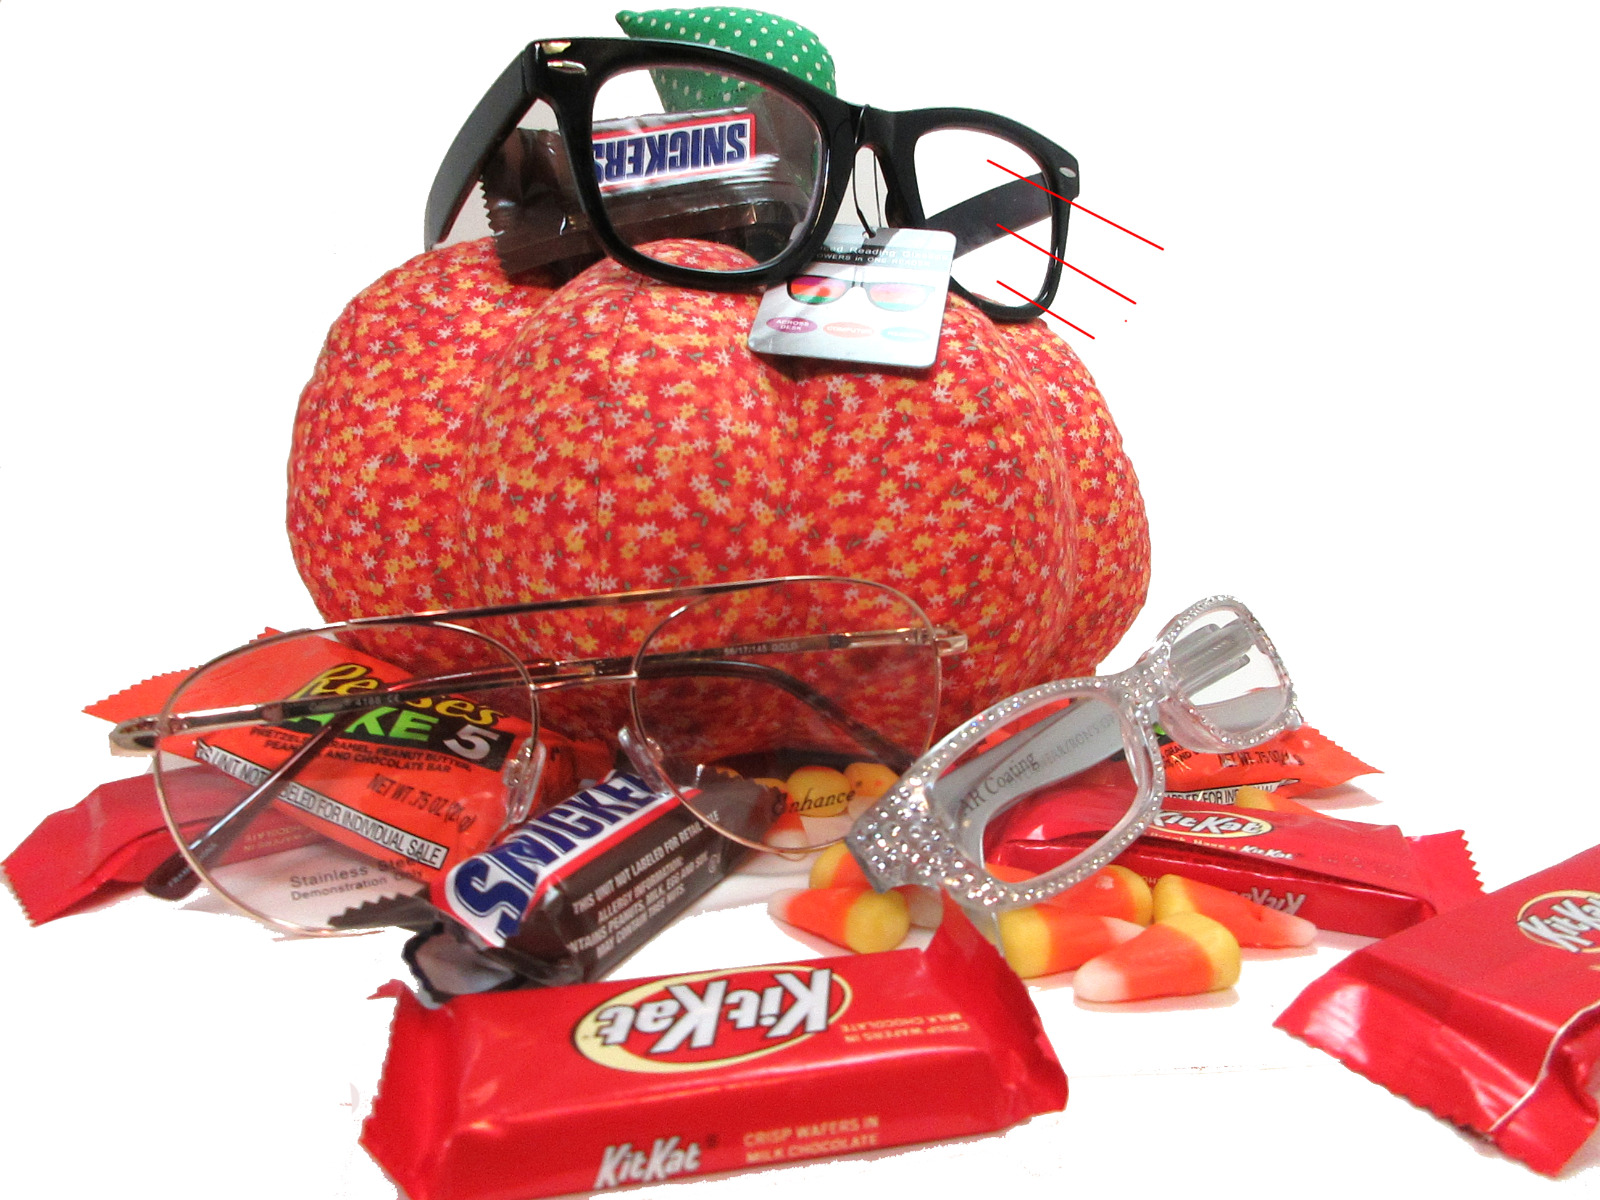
(522, 774)
(134, 738)
(643, 753)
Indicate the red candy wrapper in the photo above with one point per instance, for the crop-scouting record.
(1299, 760)
(113, 838)
(105, 844)
(509, 1095)
(1341, 875)
(1488, 1016)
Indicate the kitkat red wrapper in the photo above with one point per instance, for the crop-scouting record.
(1487, 1016)
(1342, 875)
(509, 1095)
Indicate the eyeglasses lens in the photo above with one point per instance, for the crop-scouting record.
(817, 289)
(1228, 674)
(781, 713)
(897, 297)
(1060, 763)
(969, 185)
(376, 765)
(685, 153)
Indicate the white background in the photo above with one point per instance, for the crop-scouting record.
(1358, 387)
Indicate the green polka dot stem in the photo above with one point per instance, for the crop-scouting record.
(762, 36)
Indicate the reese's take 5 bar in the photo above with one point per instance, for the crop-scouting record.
(599, 1085)
(403, 789)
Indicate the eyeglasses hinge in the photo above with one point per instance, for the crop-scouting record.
(567, 67)
(555, 47)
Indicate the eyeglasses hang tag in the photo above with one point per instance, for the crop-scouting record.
(868, 297)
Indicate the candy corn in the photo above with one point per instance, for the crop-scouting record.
(1041, 940)
(868, 781)
(837, 867)
(858, 919)
(818, 792)
(786, 833)
(1260, 798)
(1181, 955)
(1110, 892)
(1252, 924)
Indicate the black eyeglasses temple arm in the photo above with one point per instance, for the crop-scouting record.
(976, 220)
(490, 124)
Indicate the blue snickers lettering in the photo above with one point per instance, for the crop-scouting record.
(468, 885)
(573, 824)
(657, 161)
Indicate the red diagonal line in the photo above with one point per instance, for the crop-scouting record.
(1042, 308)
(1068, 265)
(1075, 204)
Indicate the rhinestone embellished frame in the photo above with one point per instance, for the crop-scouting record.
(901, 839)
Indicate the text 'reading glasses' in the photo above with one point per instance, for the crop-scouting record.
(320, 771)
(617, 144)
(1077, 760)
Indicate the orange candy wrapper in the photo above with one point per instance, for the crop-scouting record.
(1300, 760)
(444, 807)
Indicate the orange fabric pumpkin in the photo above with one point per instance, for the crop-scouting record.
(465, 440)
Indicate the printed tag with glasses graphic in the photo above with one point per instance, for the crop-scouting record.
(875, 298)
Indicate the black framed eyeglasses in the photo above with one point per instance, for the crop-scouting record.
(629, 142)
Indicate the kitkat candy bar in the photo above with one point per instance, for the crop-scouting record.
(1340, 875)
(586, 1088)
(1488, 1016)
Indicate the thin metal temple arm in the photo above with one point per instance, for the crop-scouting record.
(896, 758)
(138, 735)
(175, 878)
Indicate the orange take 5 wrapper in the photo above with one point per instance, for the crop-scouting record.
(416, 786)
(1489, 1016)
(509, 1095)
(1296, 761)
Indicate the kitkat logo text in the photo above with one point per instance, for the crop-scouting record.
(711, 1019)
(1211, 825)
(1567, 920)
